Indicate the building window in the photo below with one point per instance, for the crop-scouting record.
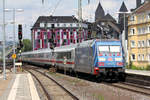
(148, 42)
(41, 24)
(139, 43)
(58, 41)
(71, 41)
(64, 25)
(143, 43)
(71, 33)
(142, 57)
(132, 43)
(149, 29)
(148, 16)
(132, 31)
(133, 57)
(58, 25)
(139, 30)
(132, 18)
(139, 57)
(38, 33)
(48, 24)
(58, 33)
(70, 25)
(143, 30)
(148, 57)
(65, 33)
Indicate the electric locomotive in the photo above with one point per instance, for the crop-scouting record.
(101, 58)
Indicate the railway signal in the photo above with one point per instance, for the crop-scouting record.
(19, 31)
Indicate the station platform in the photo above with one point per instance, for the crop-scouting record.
(18, 87)
(138, 72)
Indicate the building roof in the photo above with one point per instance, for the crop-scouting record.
(144, 7)
(55, 19)
(109, 18)
(123, 8)
(99, 12)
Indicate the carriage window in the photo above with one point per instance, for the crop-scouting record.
(104, 48)
(114, 48)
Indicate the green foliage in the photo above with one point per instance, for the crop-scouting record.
(133, 67)
(27, 45)
(148, 67)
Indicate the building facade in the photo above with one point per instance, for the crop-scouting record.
(65, 30)
(139, 35)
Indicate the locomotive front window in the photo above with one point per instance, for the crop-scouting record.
(103, 48)
(114, 48)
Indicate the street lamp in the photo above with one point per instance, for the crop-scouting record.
(124, 41)
(4, 66)
(14, 10)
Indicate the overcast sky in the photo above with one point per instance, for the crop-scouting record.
(34, 8)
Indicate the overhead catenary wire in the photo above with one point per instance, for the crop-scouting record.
(57, 4)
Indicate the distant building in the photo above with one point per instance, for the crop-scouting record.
(139, 35)
(65, 28)
(105, 26)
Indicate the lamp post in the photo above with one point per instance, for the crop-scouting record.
(14, 11)
(4, 66)
(124, 42)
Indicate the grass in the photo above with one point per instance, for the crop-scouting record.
(133, 67)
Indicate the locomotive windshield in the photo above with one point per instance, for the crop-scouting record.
(109, 48)
(104, 48)
(114, 48)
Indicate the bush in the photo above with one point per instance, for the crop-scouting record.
(148, 67)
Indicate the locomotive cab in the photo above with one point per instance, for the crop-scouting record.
(109, 60)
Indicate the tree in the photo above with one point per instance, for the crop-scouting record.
(27, 45)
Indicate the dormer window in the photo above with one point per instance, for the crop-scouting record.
(41, 24)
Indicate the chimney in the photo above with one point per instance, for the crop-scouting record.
(138, 3)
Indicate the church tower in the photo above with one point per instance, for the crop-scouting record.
(99, 12)
(123, 9)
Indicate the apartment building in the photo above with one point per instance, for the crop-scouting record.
(139, 35)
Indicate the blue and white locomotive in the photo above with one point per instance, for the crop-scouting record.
(101, 58)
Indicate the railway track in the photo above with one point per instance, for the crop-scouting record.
(131, 87)
(52, 89)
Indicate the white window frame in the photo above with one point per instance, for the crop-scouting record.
(42, 24)
(48, 24)
(133, 45)
(132, 31)
(132, 57)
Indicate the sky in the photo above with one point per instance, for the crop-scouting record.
(32, 9)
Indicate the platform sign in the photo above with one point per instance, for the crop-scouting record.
(18, 63)
(14, 56)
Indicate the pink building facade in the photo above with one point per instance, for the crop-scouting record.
(64, 28)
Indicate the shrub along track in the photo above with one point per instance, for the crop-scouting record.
(52, 89)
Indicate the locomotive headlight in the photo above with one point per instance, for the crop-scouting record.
(102, 59)
(118, 59)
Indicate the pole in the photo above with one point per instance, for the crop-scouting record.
(4, 66)
(14, 39)
(80, 16)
